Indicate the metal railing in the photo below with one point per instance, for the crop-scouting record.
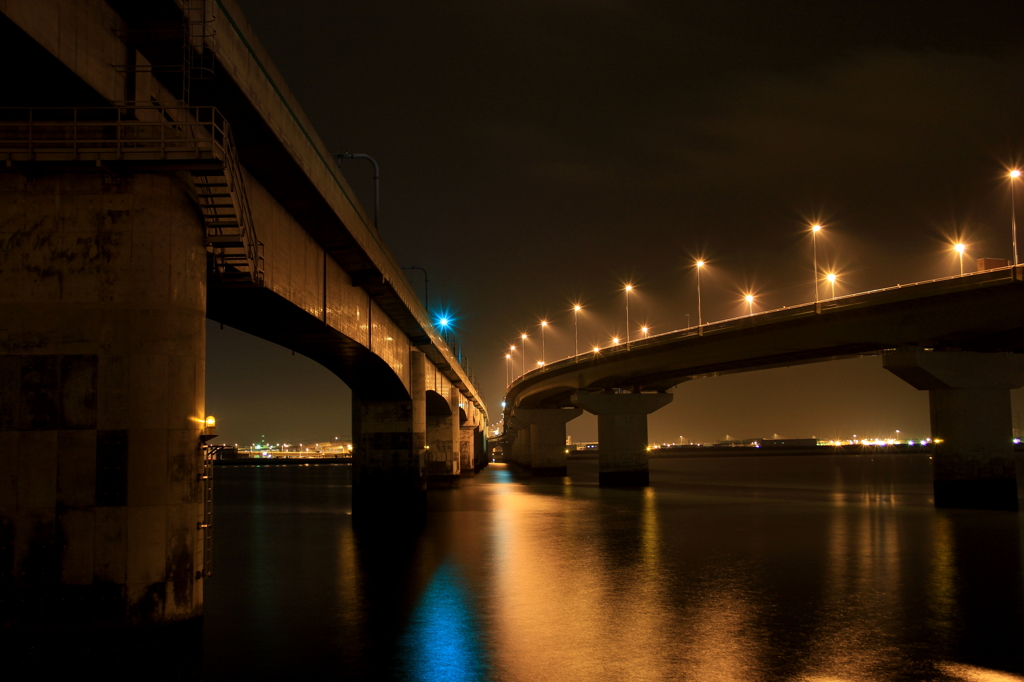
(194, 139)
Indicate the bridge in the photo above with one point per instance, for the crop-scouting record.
(155, 171)
(960, 338)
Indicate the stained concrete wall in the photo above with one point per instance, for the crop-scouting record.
(102, 352)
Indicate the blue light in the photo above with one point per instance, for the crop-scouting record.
(442, 642)
(443, 321)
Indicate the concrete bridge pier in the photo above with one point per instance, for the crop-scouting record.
(547, 439)
(443, 440)
(467, 450)
(520, 451)
(971, 422)
(622, 434)
(102, 381)
(389, 444)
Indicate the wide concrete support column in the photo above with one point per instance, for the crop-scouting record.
(521, 446)
(547, 439)
(467, 450)
(102, 352)
(622, 434)
(443, 446)
(387, 470)
(972, 426)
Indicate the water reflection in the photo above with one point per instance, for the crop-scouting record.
(442, 642)
(826, 568)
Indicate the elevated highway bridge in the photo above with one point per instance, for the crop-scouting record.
(156, 171)
(960, 338)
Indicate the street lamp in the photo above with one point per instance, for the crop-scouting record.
(644, 330)
(749, 298)
(523, 337)
(615, 341)
(376, 182)
(959, 248)
(512, 349)
(700, 264)
(831, 277)
(444, 328)
(815, 229)
(543, 326)
(629, 288)
(576, 328)
(508, 360)
(1014, 174)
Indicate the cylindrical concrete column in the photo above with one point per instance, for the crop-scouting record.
(622, 434)
(102, 352)
(547, 439)
(972, 427)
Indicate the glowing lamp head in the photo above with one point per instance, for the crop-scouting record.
(959, 248)
(700, 264)
(815, 228)
(629, 287)
(830, 277)
(748, 298)
(443, 321)
(512, 348)
(508, 356)
(615, 341)
(211, 422)
(643, 329)
(523, 337)
(1015, 173)
(577, 308)
(543, 323)
(597, 349)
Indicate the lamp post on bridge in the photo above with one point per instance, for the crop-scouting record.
(629, 288)
(1014, 174)
(543, 354)
(376, 182)
(960, 248)
(831, 277)
(700, 264)
(426, 284)
(749, 298)
(523, 337)
(508, 360)
(576, 328)
(815, 229)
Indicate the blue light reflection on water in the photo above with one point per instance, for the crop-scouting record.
(441, 642)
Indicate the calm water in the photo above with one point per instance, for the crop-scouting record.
(768, 568)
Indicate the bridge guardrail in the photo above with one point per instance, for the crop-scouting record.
(196, 139)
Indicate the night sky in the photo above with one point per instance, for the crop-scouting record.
(535, 154)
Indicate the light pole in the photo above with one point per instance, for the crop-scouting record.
(749, 298)
(511, 349)
(959, 248)
(1014, 174)
(376, 182)
(576, 328)
(426, 284)
(644, 330)
(508, 360)
(815, 229)
(523, 337)
(629, 288)
(831, 277)
(700, 264)
(543, 357)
